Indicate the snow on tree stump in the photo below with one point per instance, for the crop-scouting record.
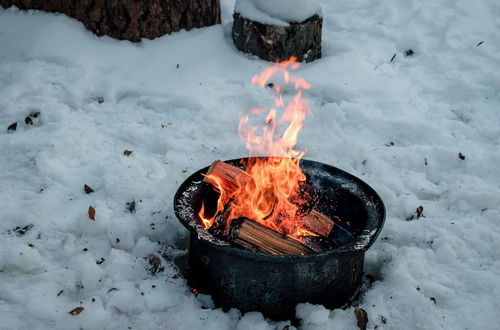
(273, 42)
(131, 19)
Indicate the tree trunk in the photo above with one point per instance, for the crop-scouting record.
(131, 19)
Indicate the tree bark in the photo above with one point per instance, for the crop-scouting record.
(278, 43)
(131, 19)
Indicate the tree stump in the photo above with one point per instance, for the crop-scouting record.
(278, 43)
(131, 19)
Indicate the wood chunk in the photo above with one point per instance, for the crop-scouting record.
(230, 176)
(251, 234)
(318, 223)
(318, 244)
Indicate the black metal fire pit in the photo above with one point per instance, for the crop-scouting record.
(275, 284)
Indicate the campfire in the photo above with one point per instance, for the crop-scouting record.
(267, 206)
(273, 230)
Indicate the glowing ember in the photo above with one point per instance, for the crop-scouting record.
(272, 197)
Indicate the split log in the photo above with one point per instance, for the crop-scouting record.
(247, 233)
(131, 19)
(230, 176)
(278, 43)
(318, 222)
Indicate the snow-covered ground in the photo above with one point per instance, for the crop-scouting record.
(175, 102)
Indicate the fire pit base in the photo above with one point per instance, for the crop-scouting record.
(258, 283)
(275, 284)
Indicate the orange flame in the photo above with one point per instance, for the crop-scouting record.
(271, 197)
(216, 182)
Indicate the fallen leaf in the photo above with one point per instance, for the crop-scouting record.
(12, 127)
(91, 213)
(112, 289)
(131, 206)
(393, 57)
(21, 231)
(76, 311)
(87, 189)
(127, 152)
(362, 318)
(420, 211)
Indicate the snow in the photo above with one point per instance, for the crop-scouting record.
(98, 97)
(278, 12)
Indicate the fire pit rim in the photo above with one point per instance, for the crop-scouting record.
(362, 243)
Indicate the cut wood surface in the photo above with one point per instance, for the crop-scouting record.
(252, 234)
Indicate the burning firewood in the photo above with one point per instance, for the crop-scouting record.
(231, 175)
(251, 234)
